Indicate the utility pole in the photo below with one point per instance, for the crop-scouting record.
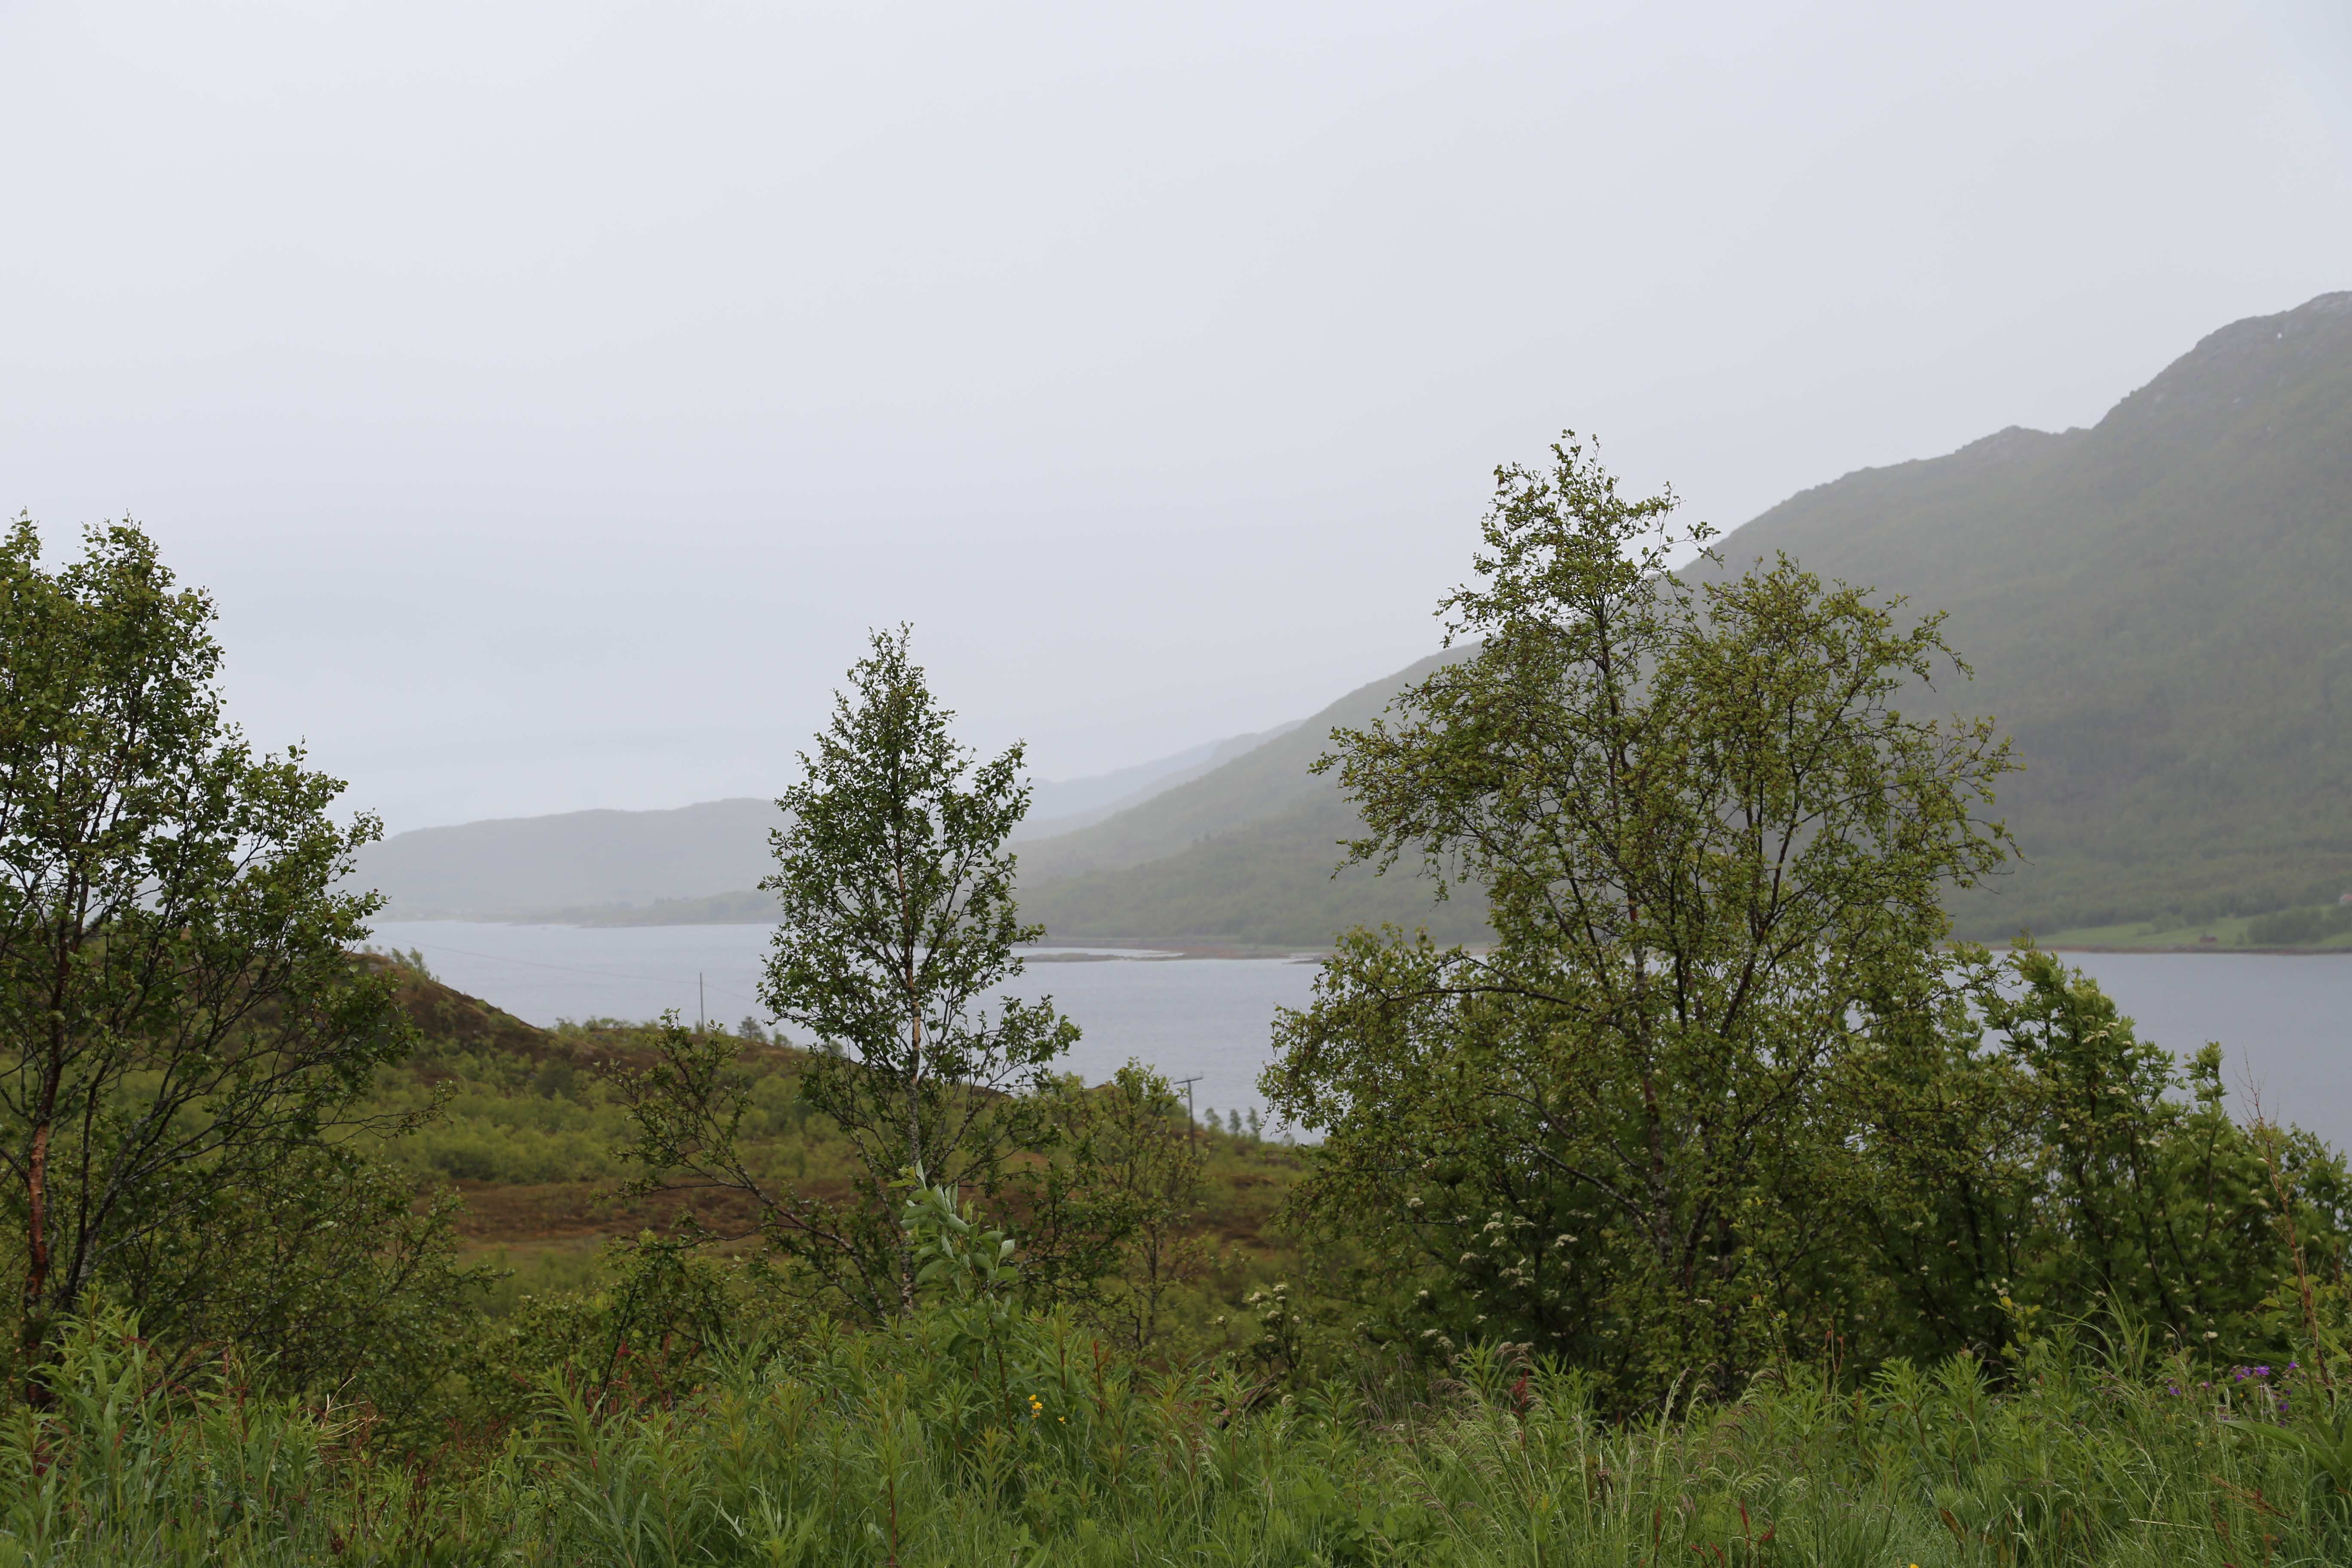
(701, 1007)
(1191, 1122)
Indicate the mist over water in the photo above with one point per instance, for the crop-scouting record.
(2284, 1022)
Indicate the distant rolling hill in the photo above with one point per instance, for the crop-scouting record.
(688, 866)
(1065, 807)
(1263, 784)
(1242, 854)
(577, 862)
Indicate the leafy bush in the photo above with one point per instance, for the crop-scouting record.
(2300, 927)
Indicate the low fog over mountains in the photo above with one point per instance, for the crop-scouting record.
(2159, 609)
(1067, 804)
(619, 866)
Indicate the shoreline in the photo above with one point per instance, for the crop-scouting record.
(2202, 948)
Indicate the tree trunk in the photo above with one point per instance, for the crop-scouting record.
(36, 1328)
(914, 1159)
(37, 1262)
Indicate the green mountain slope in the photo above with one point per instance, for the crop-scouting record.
(2157, 609)
(1050, 812)
(1268, 882)
(1243, 854)
(1256, 785)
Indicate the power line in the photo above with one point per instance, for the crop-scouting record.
(1193, 1121)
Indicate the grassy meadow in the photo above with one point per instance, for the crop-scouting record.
(526, 1125)
(911, 1446)
(2321, 928)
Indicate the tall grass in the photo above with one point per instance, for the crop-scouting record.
(914, 1447)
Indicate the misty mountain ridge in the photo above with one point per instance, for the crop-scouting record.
(2158, 611)
(570, 864)
(689, 864)
(1065, 805)
(2155, 607)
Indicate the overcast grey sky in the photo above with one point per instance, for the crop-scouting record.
(552, 395)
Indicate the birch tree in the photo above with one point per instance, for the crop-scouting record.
(1713, 849)
(897, 929)
(182, 1028)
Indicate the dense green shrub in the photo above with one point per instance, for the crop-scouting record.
(2300, 927)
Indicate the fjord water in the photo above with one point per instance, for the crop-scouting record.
(1206, 1017)
(2286, 1022)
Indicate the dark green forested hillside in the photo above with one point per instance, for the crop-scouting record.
(2159, 610)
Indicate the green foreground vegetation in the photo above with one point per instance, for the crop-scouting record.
(532, 1127)
(949, 1439)
(1719, 1205)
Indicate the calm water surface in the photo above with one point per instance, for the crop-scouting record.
(1204, 1016)
(2286, 1022)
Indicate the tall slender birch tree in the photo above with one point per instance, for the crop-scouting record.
(897, 923)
